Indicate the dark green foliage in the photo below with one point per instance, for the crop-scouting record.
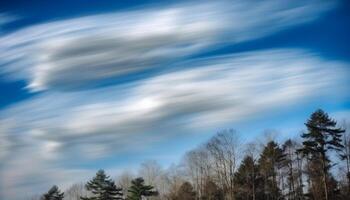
(294, 174)
(138, 189)
(271, 159)
(53, 194)
(103, 188)
(321, 137)
(248, 179)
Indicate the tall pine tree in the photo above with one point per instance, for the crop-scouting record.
(289, 148)
(53, 194)
(322, 136)
(270, 161)
(103, 188)
(247, 179)
(138, 189)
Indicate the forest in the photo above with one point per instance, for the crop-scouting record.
(315, 166)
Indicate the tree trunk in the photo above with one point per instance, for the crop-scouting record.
(253, 182)
(300, 192)
(325, 177)
(348, 172)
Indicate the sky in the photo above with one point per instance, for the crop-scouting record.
(108, 84)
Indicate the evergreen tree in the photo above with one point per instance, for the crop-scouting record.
(103, 188)
(247, 179)
(299, 173)
(53, 194)
(289, 148)
(270, 161)
(321, 137)
(138, 189)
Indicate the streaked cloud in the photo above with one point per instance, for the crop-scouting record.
(88, 51)
(5, 19)
(88, 125)
(67, 125)
(219, 86)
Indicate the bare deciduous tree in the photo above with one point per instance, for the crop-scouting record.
(198, 166)
(75, 192)
(124, 181)
(225, 149)
(345, 153)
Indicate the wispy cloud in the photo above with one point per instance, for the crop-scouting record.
(6, 18)
(68, 125)
(217, 90)
(82, 52)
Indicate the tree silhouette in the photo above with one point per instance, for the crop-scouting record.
(248, 178)
(103, 188)
(270, 161)
(138, 189)
(321, 137)
(53, 194)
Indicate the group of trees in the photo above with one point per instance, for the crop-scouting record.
(102, 187)
(289, 170)
(315, 166)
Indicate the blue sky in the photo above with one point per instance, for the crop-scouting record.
(110, 84)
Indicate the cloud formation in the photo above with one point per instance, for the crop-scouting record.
(88, 51)
(86, 125)
(69, 125)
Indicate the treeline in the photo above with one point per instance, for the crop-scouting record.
(315, 167)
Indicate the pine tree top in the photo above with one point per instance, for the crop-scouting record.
(322, 134)
(53, 194)
(103, 188)
(139, 189)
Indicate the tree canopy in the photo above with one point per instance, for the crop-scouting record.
(103, 188)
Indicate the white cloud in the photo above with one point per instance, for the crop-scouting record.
(89, 124)
(82, 52)
(218, 89)
(39, 136)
